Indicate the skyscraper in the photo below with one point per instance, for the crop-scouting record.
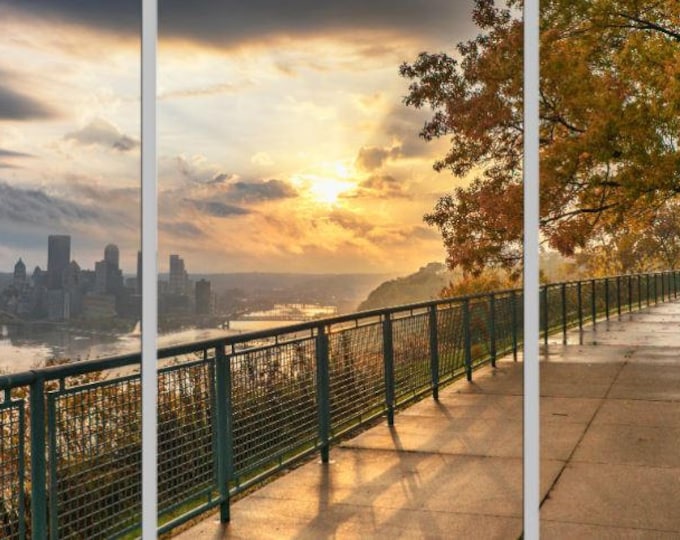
(19, 273)
(139, 273)
(58, 259)
(112, 255)
(179, 278)
(203, 297)
(108, 276)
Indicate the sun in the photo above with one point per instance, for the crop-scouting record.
(327, 190)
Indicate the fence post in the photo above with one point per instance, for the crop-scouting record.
(630, 293)
(492, 329)
(639, 288)
(563, 294)
(675, 284)
(593, 305)
(663, 287)
(38, 464)
(618, 296)
(606, 298)
(434, 351)
(467, 339)
(579, 305)
(513, 303)
(323, 391)
(546, 318)
(225, 460)
(656, 291)
(388, 357)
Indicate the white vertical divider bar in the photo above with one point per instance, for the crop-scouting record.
(531, 281)
(149, 272)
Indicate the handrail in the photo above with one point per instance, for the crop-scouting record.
(238, 414)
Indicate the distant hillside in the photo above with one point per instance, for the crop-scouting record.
(424, 285)
(345, 291)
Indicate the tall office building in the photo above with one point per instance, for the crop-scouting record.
(58, 259)
(179, 279)
(139, 273)
(112, 255)
(203, 297)
(19, 273)
(108, 276)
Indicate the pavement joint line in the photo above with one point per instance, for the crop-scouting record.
(602, 526)
(432, 453)
(429, 510)
(588, 424)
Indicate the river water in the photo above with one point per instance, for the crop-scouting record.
(27, 347)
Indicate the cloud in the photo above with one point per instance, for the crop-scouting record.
(379, 187)
(33, 206)
(261, 159)
(228, 23)
(196, 170)
(103, 133)
(183, 229)
(370, 158)
(211, 90)
(350, 221)
(11, 154)
(18, 106)
(218, 209)
(403, 124)
(258, 191)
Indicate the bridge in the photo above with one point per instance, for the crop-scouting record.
(319, 413)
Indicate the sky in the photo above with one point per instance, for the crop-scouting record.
(283, 142)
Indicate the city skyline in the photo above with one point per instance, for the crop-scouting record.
(282, 147)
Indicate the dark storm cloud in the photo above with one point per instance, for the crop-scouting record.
(17, 106)
(258, 191)
(226, 23)
(33, 206)
(218, 209)
(103, 133)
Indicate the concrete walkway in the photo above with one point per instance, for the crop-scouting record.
(610, 453)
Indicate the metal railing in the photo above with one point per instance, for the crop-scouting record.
(236, 410)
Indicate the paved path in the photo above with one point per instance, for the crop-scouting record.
(610, 454)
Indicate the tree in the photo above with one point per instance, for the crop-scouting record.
(609, 125)
(638, 246)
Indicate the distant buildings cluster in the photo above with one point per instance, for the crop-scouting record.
(66, 291)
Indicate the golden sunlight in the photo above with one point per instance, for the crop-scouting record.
(327, 190)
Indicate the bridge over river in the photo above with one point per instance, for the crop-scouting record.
(452, 468)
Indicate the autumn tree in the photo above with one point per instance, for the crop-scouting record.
(609, 125)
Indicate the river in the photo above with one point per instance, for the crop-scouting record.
(24, 347)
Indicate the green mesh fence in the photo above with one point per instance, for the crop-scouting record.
(185, 434)
(95, 450)
(450, 340)
(12, 455)
(504, 305)
(274, 404)
(411, 346)
(479, 330)
(282, 394)
(356, 374)
(95, 459)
